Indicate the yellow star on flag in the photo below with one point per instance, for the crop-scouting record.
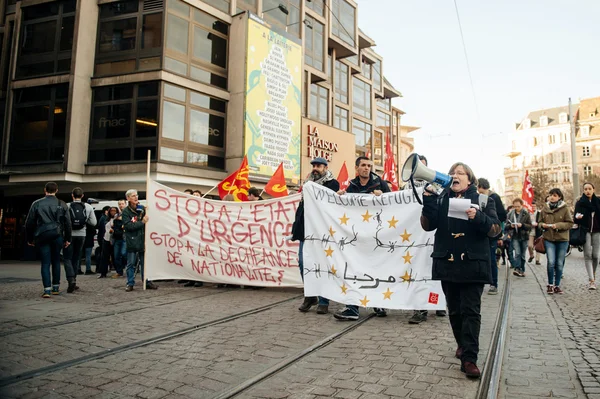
(333, 271)
(366, 216)
(406, 276)
(387, 294)
(407, 258)
(329, 252)
(331, 231)
(364, 301)
(405, 236)
(393, 222)
(344, 289)
(344, 219)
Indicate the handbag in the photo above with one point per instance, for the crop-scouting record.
(577, 236)
(539, 246)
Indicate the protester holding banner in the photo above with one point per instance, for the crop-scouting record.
(134, 223)
(587, 217)
(366, 182)
(461, 257)
(319, 175)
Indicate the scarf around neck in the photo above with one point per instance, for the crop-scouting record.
(321, 180)
(554, 205)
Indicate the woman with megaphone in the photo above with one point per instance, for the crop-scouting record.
(461, 258)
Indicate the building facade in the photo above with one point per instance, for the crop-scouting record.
(89, 88)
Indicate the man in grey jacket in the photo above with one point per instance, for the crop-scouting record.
(82, 214)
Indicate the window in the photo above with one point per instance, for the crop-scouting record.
(341, 82)
(39, 124)
(46, 41)
(193, 128)
(362, 137)
(526, 124)
(377, 79)
(317, 6)
(129, 37)
(383, 121)
(196, 44)
(514, 145)
(245, 5)
(586, 151)
(278, 18)
(543, 120)
(361, 98)
(592, 114)
(343, 21)
(394, 122)
(340, 119)
(536, 141)
(563, 118)
(566, 177)
(587, 170)
(124, 123)
(223, 5)
(378, 148)
(319, 103)
(313, 42)
(564, 157)
(585, 131)
(366, 69)
(384, 103)
(563, 137)
(551, 139)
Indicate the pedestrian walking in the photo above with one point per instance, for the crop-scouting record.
(556, 221)
(587, 216)
(320, 175)
(119, 244)
(461, 258)
(520, 226)
(107, 249)
(534, 233)
(48, 228)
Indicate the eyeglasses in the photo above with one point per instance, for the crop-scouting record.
(458, 174)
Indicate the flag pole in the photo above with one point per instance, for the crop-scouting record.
(211, 190)
(145, 279)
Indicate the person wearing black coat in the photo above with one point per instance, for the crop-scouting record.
(319, 175)
(461, 258)
(587, 216)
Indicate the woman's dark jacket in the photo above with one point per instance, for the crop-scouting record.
(586, 207)
(298, 226)
(461, 252)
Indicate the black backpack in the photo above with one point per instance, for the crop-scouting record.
(78, 216)
(118, 230)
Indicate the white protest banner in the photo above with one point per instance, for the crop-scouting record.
(192, 238)
(368, 250)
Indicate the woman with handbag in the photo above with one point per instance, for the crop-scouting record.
(587, 218)
(556, 221)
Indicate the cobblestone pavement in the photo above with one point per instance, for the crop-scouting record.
(552, 341)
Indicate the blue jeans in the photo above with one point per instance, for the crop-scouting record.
(50, 254)
(494, 264)
(322, 301)
(120, 256)
(520, 247)
(555, 254)
(88, 259)
(132, 259)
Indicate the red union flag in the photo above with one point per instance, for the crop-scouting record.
(237, 183)
(276, 186)
(343, 177)
(527, 194)
(389, 167)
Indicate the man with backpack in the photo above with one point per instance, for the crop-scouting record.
(81, 214)
(48, 227)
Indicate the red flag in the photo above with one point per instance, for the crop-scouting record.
(343, 177)
(237, 183)
(389, 167)
(527, 192)
(276, 187)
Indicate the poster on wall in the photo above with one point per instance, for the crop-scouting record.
(272, 115)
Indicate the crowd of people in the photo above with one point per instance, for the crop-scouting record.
(466, 253)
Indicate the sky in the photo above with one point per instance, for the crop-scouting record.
(524, 55)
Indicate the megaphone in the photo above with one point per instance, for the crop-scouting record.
(414, 169)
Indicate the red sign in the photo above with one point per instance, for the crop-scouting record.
(433, 298)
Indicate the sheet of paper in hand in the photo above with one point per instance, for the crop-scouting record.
(368, 251)
(458, 208)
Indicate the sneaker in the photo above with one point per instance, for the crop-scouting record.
(55, 290)
(459, 352)
(102, 276)
(89, 272)
(550, 289)
(71, 288)
(418, 317)
(516, 273)
(592, 285)
(558, 290)
(440, 313)
(322, 309)
(493, 290)
(151, 286)
(116, 275)
(537, 262)
(46, 294)
(188, 284)
(198, 284)
(380, 312)
(530, 259)
(346, 314)
(129, 288)
(470, 369)
(521, 274)
(309, 302)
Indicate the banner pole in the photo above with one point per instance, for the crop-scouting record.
(146, 231)
(261, 193)
(210, 191)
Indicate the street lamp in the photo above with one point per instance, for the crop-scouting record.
(280, 7)
(306, 22)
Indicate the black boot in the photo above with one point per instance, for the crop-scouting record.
(309, 301)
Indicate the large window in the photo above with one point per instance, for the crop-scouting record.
(362, 137)
(377, 78)
(378, 148)
(317, 6)
(46, 41)
(341, 82)
(384, 103)
(129, 37)
(383, 121)
(223, 5)
(245, 5)
(313, 44)
(196, 44)
(319, 103)
(366, 70)
(361, 98)
(342, 23)
(278, 18)
(193, 128)
(39, 124)
(340, 118)
(124, 123)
